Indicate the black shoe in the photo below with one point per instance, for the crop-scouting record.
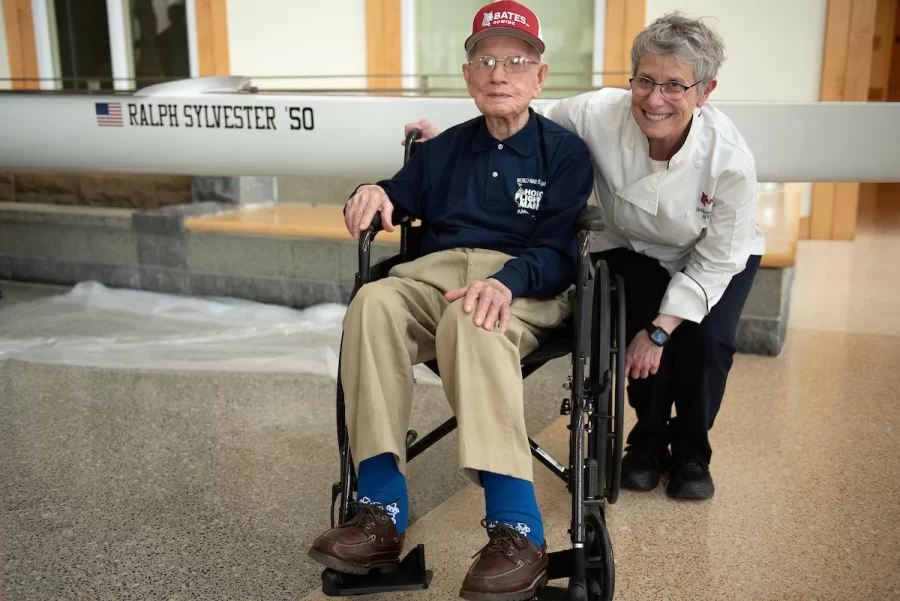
(642, 467)
(690, 479)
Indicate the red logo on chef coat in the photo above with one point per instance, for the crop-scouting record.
(705, 207)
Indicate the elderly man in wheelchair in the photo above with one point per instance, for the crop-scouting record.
(500, 199)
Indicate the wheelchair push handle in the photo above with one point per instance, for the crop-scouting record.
(590, 219)
(399, 216)
(410, 148)
(375, 226)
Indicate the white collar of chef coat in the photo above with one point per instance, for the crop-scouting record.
(644, 192)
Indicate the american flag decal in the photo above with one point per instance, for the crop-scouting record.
(109, 114)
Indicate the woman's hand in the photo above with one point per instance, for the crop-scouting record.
(642, 357)
(428, 130)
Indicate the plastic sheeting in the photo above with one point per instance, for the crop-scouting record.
(96, 326)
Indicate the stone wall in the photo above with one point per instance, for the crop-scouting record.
(128, 191)
(135, 191)
(320, 190)
(7, 187)
(143, 192)
(764, 320)
(152, 250)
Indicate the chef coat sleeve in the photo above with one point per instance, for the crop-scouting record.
(721, 253)
(571, 113)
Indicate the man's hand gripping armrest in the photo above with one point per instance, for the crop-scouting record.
(363, 206)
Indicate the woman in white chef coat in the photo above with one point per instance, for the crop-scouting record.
(677, 186)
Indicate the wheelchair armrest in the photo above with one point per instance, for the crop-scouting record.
(590, 219)
(398, 217)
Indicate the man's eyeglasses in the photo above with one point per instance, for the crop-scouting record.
(512, 64)
(672, 90)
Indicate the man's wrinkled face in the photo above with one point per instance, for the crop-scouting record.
(504, 91)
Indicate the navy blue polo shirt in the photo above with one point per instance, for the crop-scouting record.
(519, 196)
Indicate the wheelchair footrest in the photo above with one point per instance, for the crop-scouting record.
(410, 575)
(559, 564)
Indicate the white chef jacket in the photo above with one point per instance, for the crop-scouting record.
(696, 213)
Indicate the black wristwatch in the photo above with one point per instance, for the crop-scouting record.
(658, 335)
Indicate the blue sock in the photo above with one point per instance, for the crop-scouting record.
(511, 501)
(380, 481)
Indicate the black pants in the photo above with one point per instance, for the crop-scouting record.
(695, 362)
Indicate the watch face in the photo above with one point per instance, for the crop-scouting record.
(658, 337)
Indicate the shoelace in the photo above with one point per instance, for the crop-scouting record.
(367, 514)
(503, 540)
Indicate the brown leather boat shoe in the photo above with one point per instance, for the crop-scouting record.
(367, 542)
(509, 568)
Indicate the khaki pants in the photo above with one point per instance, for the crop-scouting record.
(403, 320)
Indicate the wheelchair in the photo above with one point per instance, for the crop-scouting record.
(595, 338)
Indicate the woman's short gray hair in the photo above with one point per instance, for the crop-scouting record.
(687, 40)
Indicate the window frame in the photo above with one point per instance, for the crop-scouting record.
(119, 31)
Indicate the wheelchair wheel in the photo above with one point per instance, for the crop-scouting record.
(599, 439)
(601, 569)
(617, 406)
(608, 375)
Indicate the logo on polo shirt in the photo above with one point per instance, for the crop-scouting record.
(528, 198)
(502, 18)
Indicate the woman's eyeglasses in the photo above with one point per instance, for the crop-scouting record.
(672, 90)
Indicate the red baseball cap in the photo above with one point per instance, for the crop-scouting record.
(509, 18)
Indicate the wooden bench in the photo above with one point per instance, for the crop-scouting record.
(303, 221)
(778, 214)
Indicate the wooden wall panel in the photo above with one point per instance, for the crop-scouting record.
(383, 43)
(846, 211)
(894, 88)
(859, 50)
(834, 61)
(821, 215)
(212, 38)
(846, 68)
(868, 198)
(20, 44)
(804, 229)
(624, 20)
(882, 47)
(614, 57)
(635, 21)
